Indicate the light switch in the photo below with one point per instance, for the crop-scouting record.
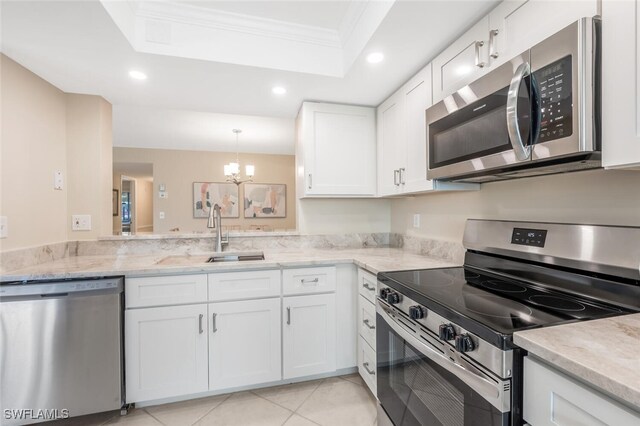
(161, 215)
(81, 222)
(57, 180)
(163, 194)
(4, 227)
(416, 220)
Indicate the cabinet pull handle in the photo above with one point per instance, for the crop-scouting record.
(396, 174)
(304, 281)
(492, 44)
(213, 322)
(368, 324)
(288, 315)
(401, 174)
(368, 287)
(479, 64)
(310, 180)
(366, 367)
(200, 330)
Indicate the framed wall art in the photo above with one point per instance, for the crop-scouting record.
(265, 200)
(208, 194)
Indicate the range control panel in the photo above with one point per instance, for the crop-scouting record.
(529, 237)
(556, 100)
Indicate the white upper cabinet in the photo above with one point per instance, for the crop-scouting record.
(402, 140)
(621, 84)
(391, 144)
(509, 29)
(417, 98)
(515, 26)
(462, 62)
(336, 151)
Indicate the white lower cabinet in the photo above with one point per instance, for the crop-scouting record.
(367, 328)
(244, 343)
(166, 352)
(555, 399)
(309, 335)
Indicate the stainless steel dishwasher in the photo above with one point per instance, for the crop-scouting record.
(61, 348)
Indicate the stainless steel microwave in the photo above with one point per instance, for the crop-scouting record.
(536, 114)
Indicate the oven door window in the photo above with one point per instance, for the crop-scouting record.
(416, 391)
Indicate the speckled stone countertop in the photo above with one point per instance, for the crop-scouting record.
(373, 259)
(604, 353)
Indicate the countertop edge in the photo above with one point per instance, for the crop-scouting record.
(586, 374)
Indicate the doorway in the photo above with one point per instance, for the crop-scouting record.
(135, 184)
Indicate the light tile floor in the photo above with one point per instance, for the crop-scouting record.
(335, 401)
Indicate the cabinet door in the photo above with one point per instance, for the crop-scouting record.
(417, 98)
(244, 343)
(166, 352)
(339, 149)
(309, 336)
(520, 24)
(391, 144)
(621, 84)
(462, 62)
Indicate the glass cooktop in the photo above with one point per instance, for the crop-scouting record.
(503, 305)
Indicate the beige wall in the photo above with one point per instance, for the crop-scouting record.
(33, 147)
(178, 169)
(339, 216)
(144, 205)
(45, 130)
(598, 197)
(89, 148)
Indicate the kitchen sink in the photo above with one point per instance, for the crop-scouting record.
(235, 257)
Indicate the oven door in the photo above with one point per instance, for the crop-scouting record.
(417, 385)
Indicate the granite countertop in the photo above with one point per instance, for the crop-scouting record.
(373, 259)
(190, 235)
(604, 353)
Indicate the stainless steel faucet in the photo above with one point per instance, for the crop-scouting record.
(215, 222)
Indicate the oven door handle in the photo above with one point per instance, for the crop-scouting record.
(522, 152)
(493, 391)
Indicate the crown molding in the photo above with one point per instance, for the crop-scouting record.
(228, 21)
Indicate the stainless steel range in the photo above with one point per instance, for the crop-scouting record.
(445, 352)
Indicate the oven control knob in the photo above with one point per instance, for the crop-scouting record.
(464, 343)
(384, 292)
(446, 332)
(416, 312)
(394, 297)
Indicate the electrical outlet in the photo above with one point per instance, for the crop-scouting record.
(4, 227)
(161, 215)
(81, 222)
(416, 220)
(57, 180)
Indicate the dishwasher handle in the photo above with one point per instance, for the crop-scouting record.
(50, 289)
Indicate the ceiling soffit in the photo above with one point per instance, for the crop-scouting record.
(188, 31)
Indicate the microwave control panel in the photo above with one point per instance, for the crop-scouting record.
(529, 237)
(556, 101)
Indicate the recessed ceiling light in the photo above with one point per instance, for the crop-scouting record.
(279, 90)
(137, 75)
(375, 57)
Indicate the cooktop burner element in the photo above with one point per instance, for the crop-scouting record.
(503, 286)
(495, 306)
(556, 302)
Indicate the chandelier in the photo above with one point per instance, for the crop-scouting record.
(232, 170)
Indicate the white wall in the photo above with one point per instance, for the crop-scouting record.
(338, 216)
(597, 197)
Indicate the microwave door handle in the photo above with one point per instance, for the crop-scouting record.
(522, 152)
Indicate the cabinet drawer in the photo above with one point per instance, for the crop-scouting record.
(367, 285)
(367, 321)
(165, 290)
(553, 398)
(367, 365)
(244, 285)
(309, 280)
